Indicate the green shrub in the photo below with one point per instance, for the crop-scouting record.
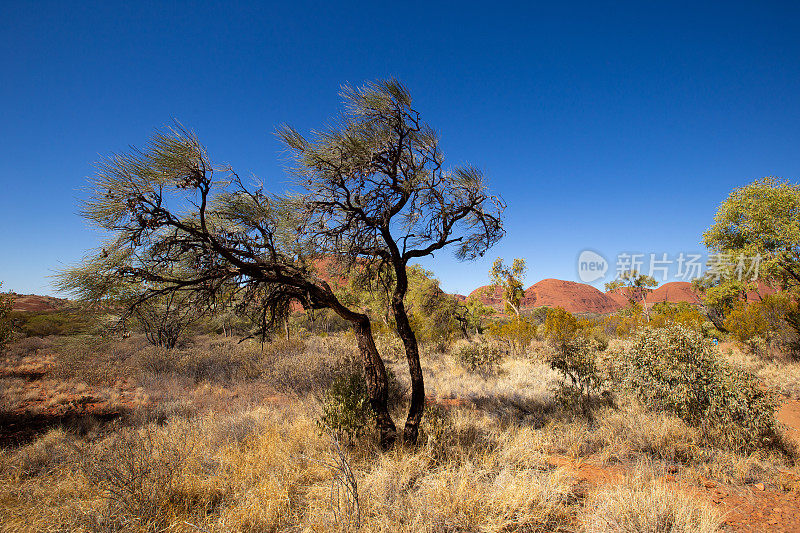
(517, 334)
(33, 324)
(5, 321)
(477, 357)
(345, 407)
(576, 359)
(562, 326)
(677, 370)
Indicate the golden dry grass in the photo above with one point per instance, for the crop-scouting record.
(218, 453)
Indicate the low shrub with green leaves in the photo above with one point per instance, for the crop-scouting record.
(345, 407)
(43, 324)
(676, 369)
(576, 359)
(516, 334)
(5, 321)
(477, 356)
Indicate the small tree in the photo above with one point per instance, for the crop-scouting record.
(165, 318)
(509, 280)
(375, 195)
(635, 286)
(758, 222)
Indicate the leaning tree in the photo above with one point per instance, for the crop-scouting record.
(373, 196)
(180, 225)
(379, 196)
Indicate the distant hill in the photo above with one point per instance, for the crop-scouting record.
(575, 297)
(674, 292)
(569, 295)
(34, 303)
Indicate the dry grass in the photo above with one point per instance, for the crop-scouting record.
(214, 449)
(648, 506)
(265, 470)
(782, 377)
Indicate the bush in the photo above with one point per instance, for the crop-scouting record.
(561, 326)
(576, 359)
(477, 357)
(664, 314)
(53, 323)
(345, 407)
(517, 334)
(675, 369)
(5, 322)
(137, 471)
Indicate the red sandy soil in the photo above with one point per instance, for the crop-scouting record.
(570, 296)
(755, 507)
(750, 508)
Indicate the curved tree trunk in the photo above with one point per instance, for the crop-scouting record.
(374, 369)
(417, 407)
(716, 318)
(377, 382)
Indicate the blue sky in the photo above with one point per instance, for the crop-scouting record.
(609, 126)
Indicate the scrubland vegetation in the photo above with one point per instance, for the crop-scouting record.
(236, 360)
(229, 436)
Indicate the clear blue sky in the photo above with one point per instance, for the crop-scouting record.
(605, 125)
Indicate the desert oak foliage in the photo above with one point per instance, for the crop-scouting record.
(374, 195)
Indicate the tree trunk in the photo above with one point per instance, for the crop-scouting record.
(374, 369)
(417, 407)
(377, 382)
(716, 318)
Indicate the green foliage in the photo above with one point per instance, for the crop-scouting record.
(435, 316)
(473, 313)
(477, 356)
(761, 218)
(5, 320)
(509, 279)
(764, 325)
(664, 314)
(719, 296)
(677, 370)
(516, 333)
(575, 345)
(345, 407)
(561, 326)
(746, 322)
(576, 359)
(33, 324)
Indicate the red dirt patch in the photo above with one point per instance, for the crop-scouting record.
(789, 415)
